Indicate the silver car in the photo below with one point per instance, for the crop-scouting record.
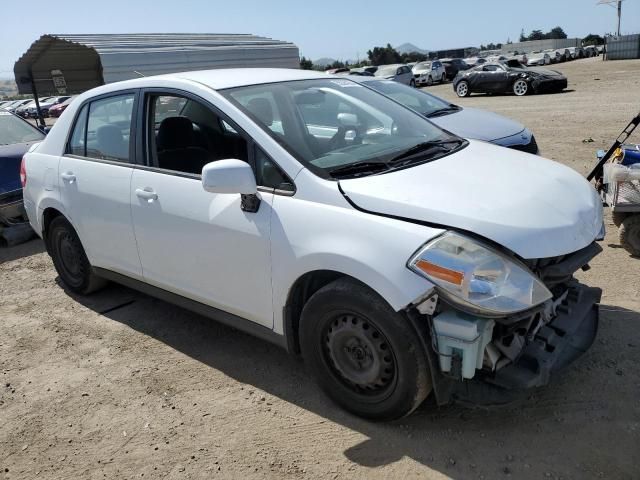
(426, 73)
(464, 122)
(397, 73)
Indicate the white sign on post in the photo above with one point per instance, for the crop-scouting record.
(59, 81)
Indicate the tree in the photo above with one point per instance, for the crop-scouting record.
(523, 37)
(556, 32)
(593, 39)
(306, 64)
(536, 35)
(384, 55)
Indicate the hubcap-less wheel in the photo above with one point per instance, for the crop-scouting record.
(69, 254)
(462, 89)
(520, 87)
(360, 355)
(629, 234)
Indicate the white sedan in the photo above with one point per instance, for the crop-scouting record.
(400, 260)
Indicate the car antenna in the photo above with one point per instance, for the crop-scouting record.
(138, 73)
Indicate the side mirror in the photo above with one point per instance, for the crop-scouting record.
(348, 119)
(229, 176)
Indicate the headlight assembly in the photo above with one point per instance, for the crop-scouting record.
(478, 277)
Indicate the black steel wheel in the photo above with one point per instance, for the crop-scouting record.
(363, 354)
(70, 259)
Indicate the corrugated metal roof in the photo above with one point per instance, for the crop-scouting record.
(87, 61)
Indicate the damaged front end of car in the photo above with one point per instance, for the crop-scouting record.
(478, 356)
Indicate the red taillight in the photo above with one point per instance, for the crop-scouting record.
(23, 173)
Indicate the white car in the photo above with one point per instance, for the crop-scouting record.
(538, 58)
(427, 73)
(311, 211)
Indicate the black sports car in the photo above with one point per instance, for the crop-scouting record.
(510, 76)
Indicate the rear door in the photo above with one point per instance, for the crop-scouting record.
(95, 181)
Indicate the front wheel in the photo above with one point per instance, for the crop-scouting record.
(70, 259)
(462, 89)
(363, 354)
(520, 87)
(629, 234)
(429, 81)
(443, 79)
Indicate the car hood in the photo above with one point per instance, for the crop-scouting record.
(478, 124)
(534, 207)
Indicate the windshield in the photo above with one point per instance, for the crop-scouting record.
(333, 123)
(13, 130)
(413, 98)
(386, 71)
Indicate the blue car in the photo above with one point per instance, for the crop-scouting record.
(465, 122)
(16, 137)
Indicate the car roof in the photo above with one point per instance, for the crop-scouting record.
(220, 78)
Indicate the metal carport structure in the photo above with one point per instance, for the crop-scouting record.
(70, 64)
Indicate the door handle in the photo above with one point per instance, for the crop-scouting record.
(146, 194)
(68, 177)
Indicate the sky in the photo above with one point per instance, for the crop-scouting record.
(341, 29)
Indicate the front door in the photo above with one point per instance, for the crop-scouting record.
(95, 181)
(201, 245)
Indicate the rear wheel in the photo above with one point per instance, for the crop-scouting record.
(364, 355)
(70, 259)
(629, 234)
(462, 89)
(520, 87)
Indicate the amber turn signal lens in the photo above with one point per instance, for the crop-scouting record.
(436, 271)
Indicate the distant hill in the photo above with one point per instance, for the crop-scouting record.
(8, 88)
(410, 47)
(324, 61)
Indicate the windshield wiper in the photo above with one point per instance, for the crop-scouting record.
(443, 111)
(425, 146)
(358, 168)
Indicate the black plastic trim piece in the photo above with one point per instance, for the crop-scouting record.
(218, 315)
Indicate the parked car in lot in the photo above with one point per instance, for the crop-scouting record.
(521, 57)
(45, 105)
(12, 107)
(425, 251)
(576, 52)
(16, 137)
(397, 73)
(474, 61)
(56, 110)
(590, 51)
(24, 109)
(538, 58)
(508, 77)
(429, 72)
(452, 66)
(464, 122)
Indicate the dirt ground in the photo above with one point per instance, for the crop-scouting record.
(120, 385)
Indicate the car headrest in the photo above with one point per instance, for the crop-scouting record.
(175, 132)
(261, 108)
(109, 138)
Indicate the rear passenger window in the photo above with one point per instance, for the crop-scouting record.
(109, 128)
(78, 137)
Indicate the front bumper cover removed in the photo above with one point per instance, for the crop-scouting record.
(554, 346)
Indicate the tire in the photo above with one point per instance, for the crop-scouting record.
(618, 217)
(429, 81)
(70, 259)
(462, 89)
(443, 78)
(629, 234)
(366, 357)
(520, 87)
(412, 83)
